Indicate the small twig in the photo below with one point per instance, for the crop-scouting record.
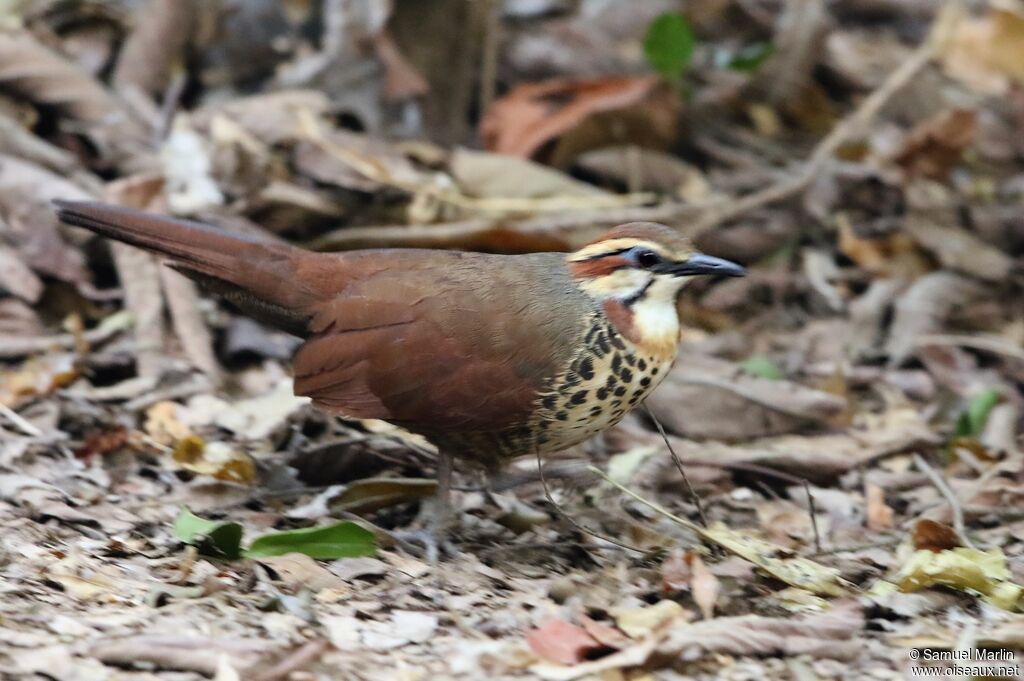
(18, 420)
(840, 134)
(584, 530)
(679, 466)
(489, 56)
(692, 526)
(295, 660)
(814, 519)
(950, 496)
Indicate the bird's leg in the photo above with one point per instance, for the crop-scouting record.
(434, 537)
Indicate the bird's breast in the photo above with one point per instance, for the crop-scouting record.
(607, 378)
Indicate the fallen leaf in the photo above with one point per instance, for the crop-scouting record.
(987, 53)
(971, 570)
(704, 586)
(708, 398)
(934, 146)
(637, 622)
(37, 377)
(300, 571)
(560, 641)
(213, 538)
(534, 114)
(779, 563)
(929, 535)
(879, 515)
(345, 539)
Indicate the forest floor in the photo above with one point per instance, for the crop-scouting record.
(848, 499)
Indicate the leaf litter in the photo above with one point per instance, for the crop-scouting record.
(873, 189)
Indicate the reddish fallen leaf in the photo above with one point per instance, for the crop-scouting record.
(531, 115)
(675, 573)
(879, 513)
(561, 642)
(605, 634)
(704, 586)
(103, 442)
(934, 536)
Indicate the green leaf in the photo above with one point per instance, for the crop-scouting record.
(750, 57)
(972, 421)
(213, 538)
(341, 540)
(669, 44)
(760, 365)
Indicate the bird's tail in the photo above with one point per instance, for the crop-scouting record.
(258, 276)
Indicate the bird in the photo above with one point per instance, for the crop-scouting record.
(487, 356)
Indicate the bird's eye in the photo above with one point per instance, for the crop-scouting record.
(646, 258)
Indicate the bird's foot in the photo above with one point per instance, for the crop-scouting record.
(429, 543)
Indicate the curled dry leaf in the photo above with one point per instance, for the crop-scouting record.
(923, 309)
(879, 514)
(161, 29)
(562, 642)
(929, 535)
(987, 53)
(704, 586)
(35, 72)
(936, 145)
(971, 570)
(532, 115)
(960, 250)
(705, 397)
(776, 561)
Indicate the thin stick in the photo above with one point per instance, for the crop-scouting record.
(814, 518)
(294, 661)
(679, 466)
(840, 134)
(692, 526)
(950, 496)
(18, 420)
(489, 58)
(584, 530)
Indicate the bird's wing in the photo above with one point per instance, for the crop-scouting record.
(440, 341)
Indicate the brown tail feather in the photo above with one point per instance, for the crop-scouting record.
(258, 276)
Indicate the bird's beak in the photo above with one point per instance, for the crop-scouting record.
(698, 263)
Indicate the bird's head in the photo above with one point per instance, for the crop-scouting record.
(636, 271)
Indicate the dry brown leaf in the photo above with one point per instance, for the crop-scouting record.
(487, 175)
(704, 586)
(959, 250)
(987, 53)
(704, 397)
(533, 114)
(297, 570)
(16, 278)
(894, 254)
(35, 72)
(879, 514)
(161, 29)
(924, 308)
(561, 642)
(675, 572)
(934, 146)
(930, 535)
